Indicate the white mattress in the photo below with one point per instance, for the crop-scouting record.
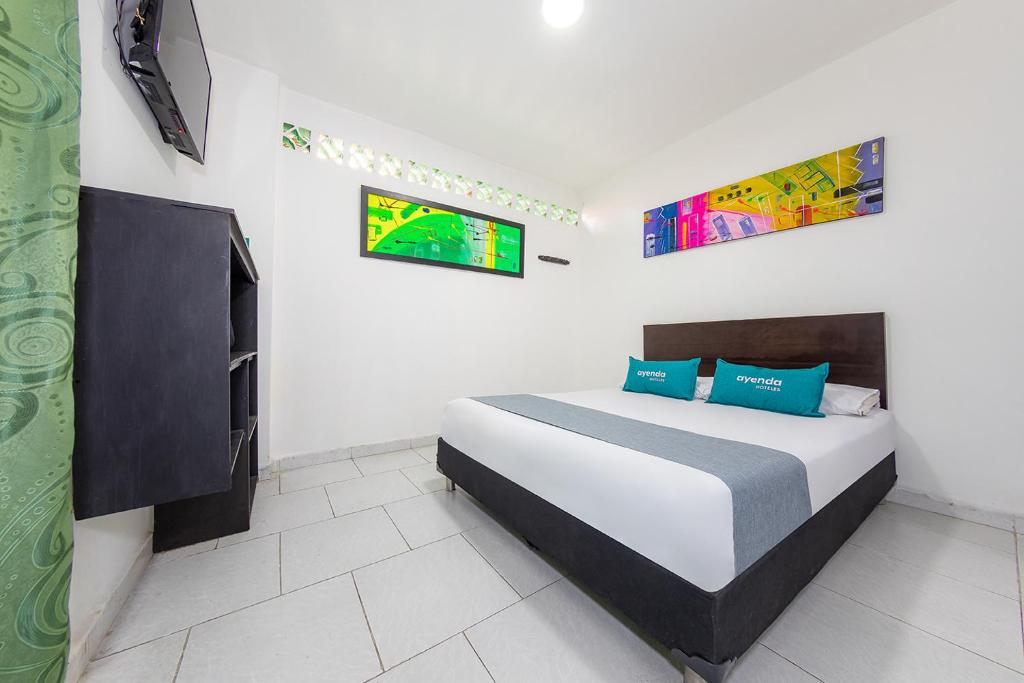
(672, 514)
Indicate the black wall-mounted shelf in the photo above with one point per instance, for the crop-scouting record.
(162, 287)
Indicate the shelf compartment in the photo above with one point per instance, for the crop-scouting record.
(236, 446)
(239, 357)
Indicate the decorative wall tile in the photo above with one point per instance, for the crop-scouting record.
(484, 191)
(418, 173)
(295, 137)
(523, 203)
(441, 180)
(463, 186)
(540, 208)
(556, 213)
(504, 197)
(330, 147)
(390, 166)
(360, 156)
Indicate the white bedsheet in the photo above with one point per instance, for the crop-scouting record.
(672, 514)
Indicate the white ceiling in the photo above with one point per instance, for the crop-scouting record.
(490, 77)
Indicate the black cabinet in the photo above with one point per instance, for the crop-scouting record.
(165, 365)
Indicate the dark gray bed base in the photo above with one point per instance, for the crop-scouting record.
(706, 631)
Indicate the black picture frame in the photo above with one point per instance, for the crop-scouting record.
(366, 190)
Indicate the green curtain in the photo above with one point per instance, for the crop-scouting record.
(39, 109)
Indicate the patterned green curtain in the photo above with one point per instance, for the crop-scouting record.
(39, 108)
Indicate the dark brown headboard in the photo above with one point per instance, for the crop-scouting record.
(853, 345)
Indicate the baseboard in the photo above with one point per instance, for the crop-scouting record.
(83, 652)
(297, 460)
(999, 520)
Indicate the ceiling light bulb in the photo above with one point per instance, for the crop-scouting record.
(562, 13)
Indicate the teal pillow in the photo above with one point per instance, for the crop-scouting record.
(796, 392)
(672, 378)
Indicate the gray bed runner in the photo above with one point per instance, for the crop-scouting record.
(770, 498)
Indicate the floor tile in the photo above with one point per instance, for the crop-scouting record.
(918, 500)
(428, 452)
(426, 477)
(568, 637)
(174, 595)
(268, 487)
(385, 462)
(154, 662)
(367, 492)
(974, 618)
(315, 634)
(997, 539)
(318, 475)
(761, 665)
(421, 598)
(453, 661)
(837, 639)
(525, 569)
(434, 516)
(186, 551)
(968, 562)
(1020, 572)
(286, 511)
(335, 546)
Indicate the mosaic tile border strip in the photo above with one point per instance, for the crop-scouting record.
(362, 157)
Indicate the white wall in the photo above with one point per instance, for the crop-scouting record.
(943, 260)
(122, 150)
(367, 350)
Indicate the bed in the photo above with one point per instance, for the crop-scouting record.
(659, 540)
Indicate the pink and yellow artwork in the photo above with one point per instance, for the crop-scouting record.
(841, 184)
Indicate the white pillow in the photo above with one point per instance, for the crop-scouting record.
(839, 399)
(703, 389)
(843, 399)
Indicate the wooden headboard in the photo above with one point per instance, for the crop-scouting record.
(853, 345)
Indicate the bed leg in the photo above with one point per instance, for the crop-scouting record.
(699, 670)
(449, 485)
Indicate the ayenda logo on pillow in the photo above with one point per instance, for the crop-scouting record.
(767, 383)
(655, 375)
(672, 378)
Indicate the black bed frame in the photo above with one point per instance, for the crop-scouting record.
(708, 631)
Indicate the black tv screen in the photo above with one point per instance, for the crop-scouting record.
(179, 50)
(163, 53)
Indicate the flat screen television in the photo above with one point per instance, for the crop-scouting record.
(162, 51)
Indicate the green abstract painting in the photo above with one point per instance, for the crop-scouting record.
(39, 111)
(403, 228)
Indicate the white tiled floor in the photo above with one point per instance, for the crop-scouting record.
(385, 462)
(361, 567)
(318, 475)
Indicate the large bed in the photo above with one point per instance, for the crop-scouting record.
(658, 539)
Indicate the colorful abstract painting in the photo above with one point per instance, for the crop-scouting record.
(842, 184)
(402, 228)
